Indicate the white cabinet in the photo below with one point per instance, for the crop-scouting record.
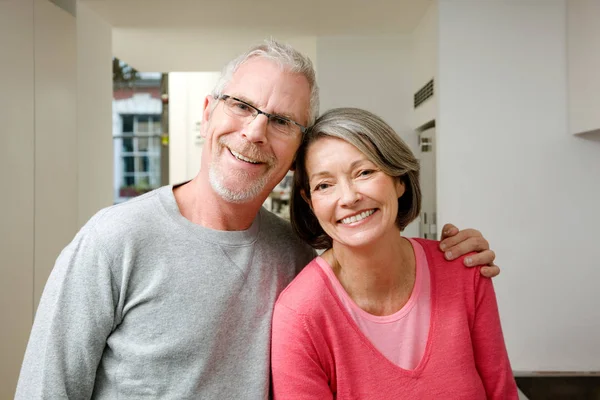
(583, 65)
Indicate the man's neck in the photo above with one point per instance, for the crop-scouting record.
(199, 203)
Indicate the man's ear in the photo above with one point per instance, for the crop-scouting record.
(305, 198)
(208, 109)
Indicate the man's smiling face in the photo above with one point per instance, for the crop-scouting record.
(245, 160)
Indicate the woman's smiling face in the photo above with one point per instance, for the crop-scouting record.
(355, 202)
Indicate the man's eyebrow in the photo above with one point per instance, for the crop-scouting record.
(284, 115)
(246, 100)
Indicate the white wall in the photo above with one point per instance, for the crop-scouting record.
(424, 64)
(370, 72)
(506, 165)
(583, 39)
(173, 50)
(17, 177)
(187, 91)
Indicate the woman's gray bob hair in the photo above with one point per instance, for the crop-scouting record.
(376, 140)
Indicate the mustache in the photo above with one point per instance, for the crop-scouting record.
(248, 149)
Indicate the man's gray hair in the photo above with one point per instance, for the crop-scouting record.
(288, 58)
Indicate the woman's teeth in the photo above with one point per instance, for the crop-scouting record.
(357, 217)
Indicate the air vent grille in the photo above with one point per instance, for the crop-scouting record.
(424, 93)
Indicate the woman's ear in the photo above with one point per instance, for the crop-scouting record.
(306, 199)
(399, 186)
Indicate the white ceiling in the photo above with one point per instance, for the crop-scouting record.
(309, 17)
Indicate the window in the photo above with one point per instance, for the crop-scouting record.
(139, 159)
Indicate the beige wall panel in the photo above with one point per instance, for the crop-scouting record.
(55, 137)
(94, 112)
(16, 175)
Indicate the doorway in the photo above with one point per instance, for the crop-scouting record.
(426, 154)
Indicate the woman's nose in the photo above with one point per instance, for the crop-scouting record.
(349, 194)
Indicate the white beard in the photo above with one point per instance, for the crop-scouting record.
(236, 195)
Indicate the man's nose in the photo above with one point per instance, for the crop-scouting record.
(256, 130)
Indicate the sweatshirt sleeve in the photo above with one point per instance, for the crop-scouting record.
(297, 370)
(491, 357)
(73, 320)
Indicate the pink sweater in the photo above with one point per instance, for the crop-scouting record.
(402, 336)
(319, 353)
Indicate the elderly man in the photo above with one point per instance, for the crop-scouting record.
(170, 295)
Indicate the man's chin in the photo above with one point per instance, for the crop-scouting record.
(237, 194)
(236, 197)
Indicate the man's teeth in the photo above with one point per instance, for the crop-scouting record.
(241, 157)
(357, 217)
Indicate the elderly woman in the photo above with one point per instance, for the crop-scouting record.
(378, 315)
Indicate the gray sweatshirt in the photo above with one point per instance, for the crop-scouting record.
(144, 304)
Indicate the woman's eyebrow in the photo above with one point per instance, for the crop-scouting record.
(353, 165)
(318, 174)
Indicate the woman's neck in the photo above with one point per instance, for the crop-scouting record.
(379, 278)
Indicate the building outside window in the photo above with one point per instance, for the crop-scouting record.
(137, 134)
(139, 160)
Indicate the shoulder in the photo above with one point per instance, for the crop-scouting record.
(107, 238)
(453, 285)
(307, 292)
(129, 214)
(134, 218)
(449, 272)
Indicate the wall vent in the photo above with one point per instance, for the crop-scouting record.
(423, 94)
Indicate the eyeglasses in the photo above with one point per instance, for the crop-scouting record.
(237, 108)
